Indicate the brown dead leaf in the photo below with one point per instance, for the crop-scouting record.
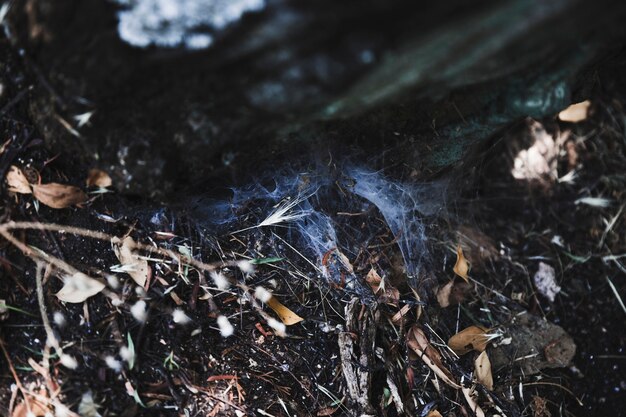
(327, 411)
(482, 370)
(287, 316)
(137, 268)
(461, 267)
(79, 287)
(58, 196)
(386, 292)
(576, 112)
(443, 294)
(478, 248)
(17, 181)
(98, 178)
(418, 342)
(434, 413)
(471, 338)
(37, 408)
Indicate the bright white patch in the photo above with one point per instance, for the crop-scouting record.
(127, 355)
(171, 23)
(87, 406)
(138, 310)
(59, 318)
(180, 317)
(220, 280)
(60, 410)
(594, 201)
(262, 294)
(196, 332)
(113, 281)
(83, 119)
(116, 301)
(246, 267)
(545, 281)
(226, 329)
(279, 327)
(68, 361)
(113, 363)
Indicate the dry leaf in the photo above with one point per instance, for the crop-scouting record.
(443, 294)
(471, 338)
(468, 393)
(482, 370)
(461, 267)
(17, 181)
(37, 408)
(137, 268)
(390, 295)
(434, 413)
(287, 316)
(373, 280)
(79, 287)
(418, 342)
(58, 196)
(98, 178)
(576, 112)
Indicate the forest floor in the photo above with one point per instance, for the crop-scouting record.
(118, 307)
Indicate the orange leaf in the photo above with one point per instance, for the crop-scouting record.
(17, 181)
(461, 268)
(472, 338)
(287, 316)
(58, 196)
(98, 178)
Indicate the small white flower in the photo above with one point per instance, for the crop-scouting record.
(68, 361)
(180, 317)
(262, 294)
(59, 318)
(113, 363)
(138, 310)
(226, 329)
(220, 280)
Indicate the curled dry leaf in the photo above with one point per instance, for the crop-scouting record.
(471, 338)
(482, 370)
(17, 181)
(137, 268)
(79, 287)
(386, 292)
(418, 342)
(98, 178)
(58, 196)
(461, 267)
(287, 316)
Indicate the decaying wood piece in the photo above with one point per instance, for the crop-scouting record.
(356, 346)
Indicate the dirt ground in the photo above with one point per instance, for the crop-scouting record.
(115, 305)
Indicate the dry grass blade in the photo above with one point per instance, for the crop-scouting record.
(418, 342)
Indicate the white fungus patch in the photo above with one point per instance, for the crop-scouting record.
(545, 281)
(278, 327)
(113, 281)
(58, 318)
(179, 317)
(138, 310)
(68, 361)
(226, 329)
(172, 23)
(262, 294)
(87, 406)
(127, 354)
(113, 363)
(246, 267)
(220, 280)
